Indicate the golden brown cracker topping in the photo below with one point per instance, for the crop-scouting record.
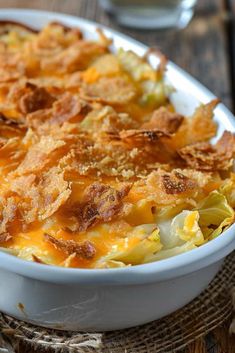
(164, 120)
(101, 203)
(39, 98)
(177, 183)
(204, 156)
(85, 249)
(115, 90)
(67, 108)
(8, 215)
(90, 143)
(143, 136)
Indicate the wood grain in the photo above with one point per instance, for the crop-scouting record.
(202, 49)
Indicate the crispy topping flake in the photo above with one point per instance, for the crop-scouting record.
(207, 157)
(67, 108)
(40, 155)
(141, 136)
(164, 120)
(116, 90)
(177, 183)
(85, 250)
(39, 98)
(8, 215)
(46, 194)
(101, 203)
(89, 137)
(55, 191)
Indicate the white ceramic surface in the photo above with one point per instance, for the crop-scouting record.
(79, 299)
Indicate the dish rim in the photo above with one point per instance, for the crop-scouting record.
(175, 266)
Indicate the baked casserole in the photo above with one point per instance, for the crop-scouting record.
(97, 168)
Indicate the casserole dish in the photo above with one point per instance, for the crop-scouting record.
(78, 299)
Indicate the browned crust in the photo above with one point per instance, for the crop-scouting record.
(37, 98)
(101, 203)
(139, 135)
(164, 120)
(68, 107)
(85, 250)
(107, 90)
(206, 157)
(177, 183)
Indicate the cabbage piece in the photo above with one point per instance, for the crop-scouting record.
(136, 66)
(155, 94)
(27, 253)
(142, 241)
(178, 235)
(9, 251)
(109, 264)
(166, 253)
(215, 214)
(182, 228)
(168, 239)
(164, 219)
(155, 90)
(186, 226)
(166, 213)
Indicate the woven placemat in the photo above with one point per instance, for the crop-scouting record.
(167, 335)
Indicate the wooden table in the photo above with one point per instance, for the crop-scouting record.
(206, 49)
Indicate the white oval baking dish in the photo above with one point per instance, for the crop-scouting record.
(95, 300)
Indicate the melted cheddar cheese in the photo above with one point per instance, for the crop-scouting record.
(97, 169)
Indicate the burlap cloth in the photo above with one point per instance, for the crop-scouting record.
(167, 335)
